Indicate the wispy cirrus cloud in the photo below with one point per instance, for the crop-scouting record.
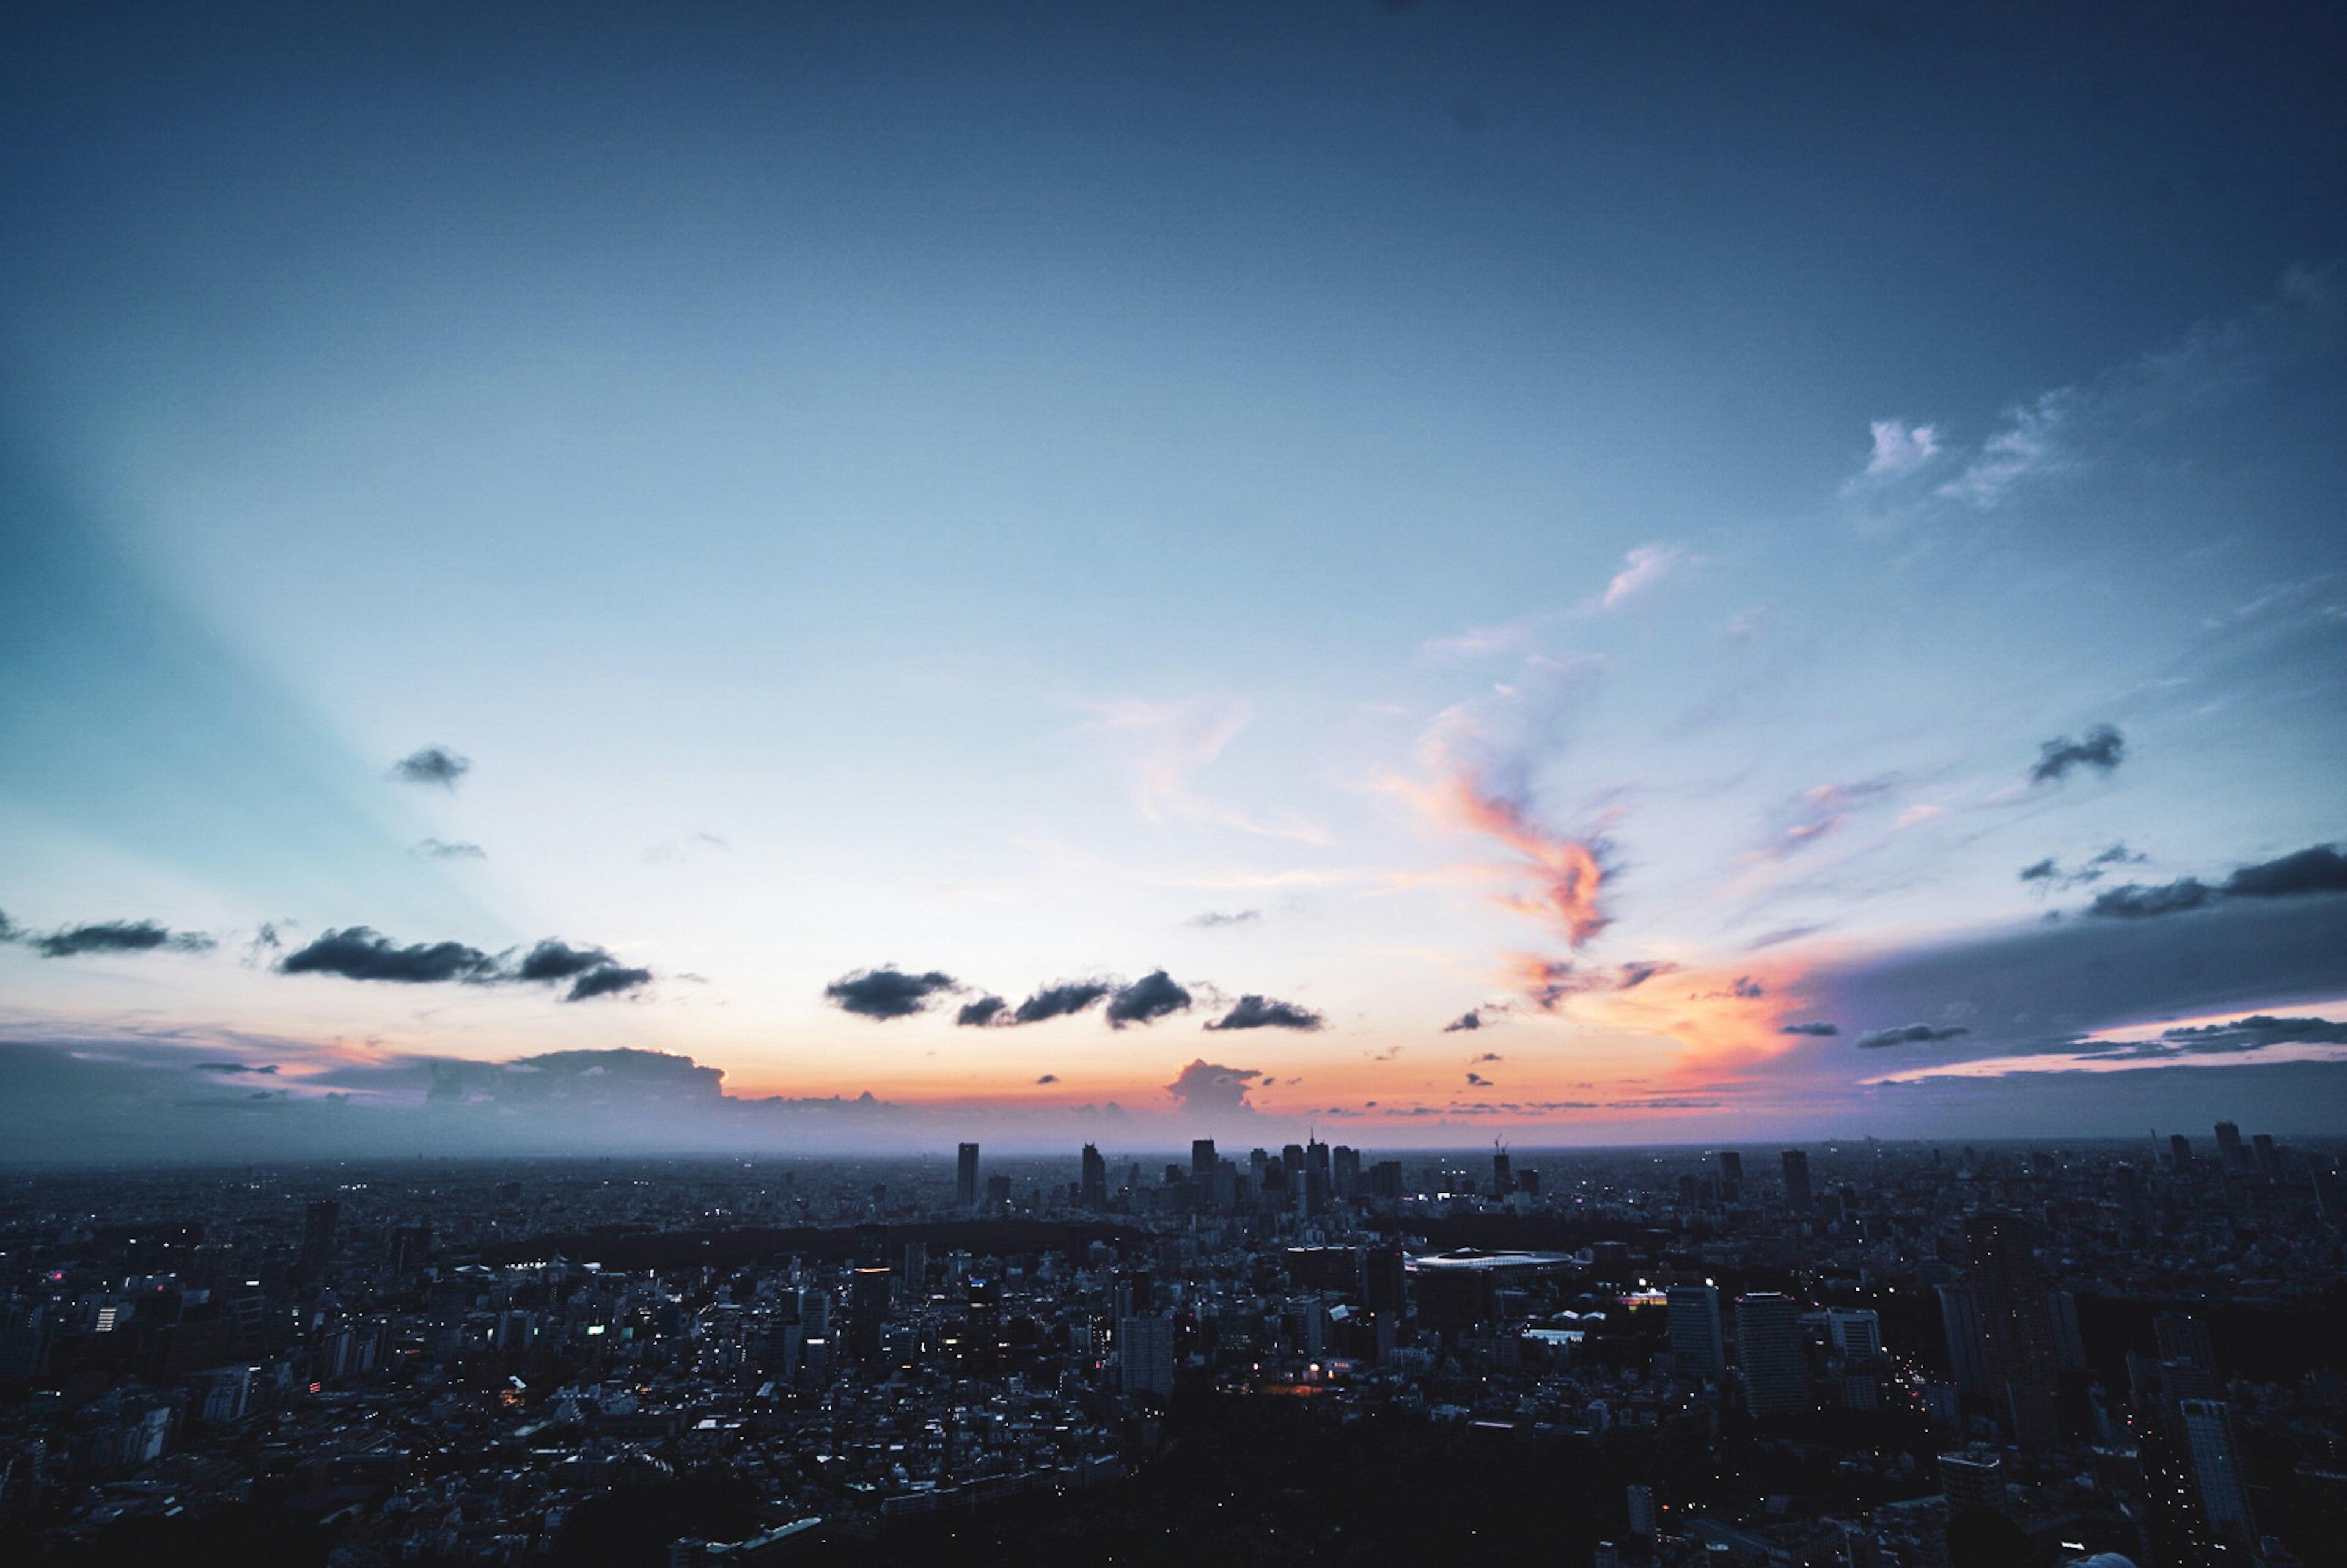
(1168, 744)
(1642, 569)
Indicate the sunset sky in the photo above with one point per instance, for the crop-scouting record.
(1725, 572)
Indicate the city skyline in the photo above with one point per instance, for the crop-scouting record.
(894, 580)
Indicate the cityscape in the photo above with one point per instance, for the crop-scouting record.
(1864, 1354)
(1180, 784)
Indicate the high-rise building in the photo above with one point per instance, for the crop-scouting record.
(2268, 1157)
(1643, 1521)
(1731, 1175)
(1855, 1332)
(2184, 1337)
(966, 1178)
(998, 1194)
(1970, 1480)
(318, 1223)
(1769, 1354)
(1503, 1175)
(1696, 1343)
(1094, 1185)
(1202, 1159)
(1144, 1349)
(1344, 1171)
(1385, 1179)
(2015, 1327)
(917, 1270)
(2217, 1466)
(1796, 1180)
(2179, 1153)
(2230, 1153)
(867, 1309)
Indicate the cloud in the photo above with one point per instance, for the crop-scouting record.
(1262, 1013)
(1472, 1019)
(1171, 742)
(555, 959)
(1641, 570)
(611, 979)
(434, 850)
(2103, 748)
(1060, 1000)
(232, 1067)
(1745, 986)
(432, 765)
(1638, 971)
(2320, 869)
(1479, 1079)
(1821, 1029)
(2306, 872)
(1491, 1056)
(1910, 1034)
(1824, 810)
(1146, 1000)
(1049, 1078)
(1212, 920)
(1204, 1087)
(107, 937)
(2028, 445)
(980, 1013)
(1900, 448)
(887, 993)
(2136, 901)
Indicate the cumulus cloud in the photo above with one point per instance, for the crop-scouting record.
(887, 993)
(1821, 1029)
(1478, 1080)
(436, 766)
(2102, 748)
(1472, 1019)
(362, 953)
(1910, 1034)
(555, 959)
(106, 937)
(2029, 445)
(980, 1013)
(1146, 1000)
(434, 850)
(1062, 999)
(2306, 872)
(1900, 448)
(1262, 1013)
(1210, 919)
(610, 980)
(1204, 1086)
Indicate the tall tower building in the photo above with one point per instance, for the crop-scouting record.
(2217, 1466)
(2179, 1153)
(1856, 1331)
(1695, 1344)
(318, 1223)
(1144, 1349)
(1202, 1159)
(867, 1309)
(1769, 1354)
(2230, 1153)
(1972, 1480)
(1796, 1180)
(1503, 1174)
(1960, 1320)
(966, 1178)
(1094, 1184)
(1731, 1175)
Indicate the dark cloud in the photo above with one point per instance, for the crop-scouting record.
(1748, 989)
(1491, 1056)
(609, 980)
(1910, 1034)
(1150, 998)
(2049, 870)
(2041, 871)
(1262, 1013)
(981, 1012)
(1204, 1087)
(1821, 1029)
(110, 937)
(232, 1067)
(1210, 919)
(2134, 901)
(2102, 748)
(1060, 1000)
(1048, 1078)
(1638, 971)
(434, 850)
(887, 993)
(432, 765)
(1479, 1081)
(555, 959)
(361, 953)
(1472, 1018)
(2252, 1033)
(2320, 869)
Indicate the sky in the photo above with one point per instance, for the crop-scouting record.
(1049, 573)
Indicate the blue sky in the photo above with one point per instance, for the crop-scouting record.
(1486, 506)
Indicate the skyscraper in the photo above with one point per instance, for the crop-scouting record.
(2230, 1153)
(1769, 1354)
(1972, 1480)
(1856, 1331)
(2179, 1153)
(1503, 1176)
(1202, 1159)
(1695, 1344)
(318, 1223)
(867, 1309)
(1146, 1355)
(1345, 1171)
(2217, 1466)
(1960, 1320)
(1094, 1185)
(1731, 1175)
(966, 1178)
(1797, 1181)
